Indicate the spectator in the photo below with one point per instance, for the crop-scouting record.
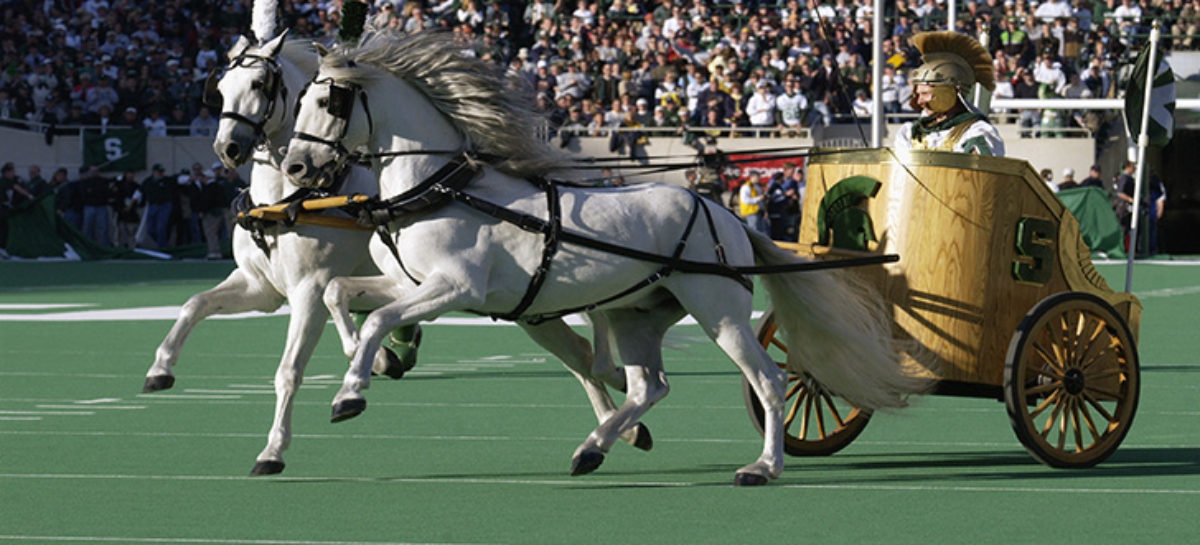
(37, 185)
(1093, 179)
(791, 106)
(210, 203)
(126, 203)
(154, 124)
(96, 192)
(760, 109)
(1068, 180)
(158, 192)
(750, 203)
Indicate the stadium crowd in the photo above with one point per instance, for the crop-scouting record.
(761, 67)
(764, 63)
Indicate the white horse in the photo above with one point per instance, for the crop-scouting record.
(443, 101)
(287, 263)
(299, 261)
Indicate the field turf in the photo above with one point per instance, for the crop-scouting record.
(474, 445)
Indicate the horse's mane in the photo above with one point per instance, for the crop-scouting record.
(300, 53)
(492, 109)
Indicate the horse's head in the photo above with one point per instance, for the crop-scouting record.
(332, 118)
(251, 97)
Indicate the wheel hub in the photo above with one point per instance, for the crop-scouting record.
(1073, 381)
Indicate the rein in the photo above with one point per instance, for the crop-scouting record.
(447, 185)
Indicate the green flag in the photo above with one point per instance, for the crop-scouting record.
(115, 150)
(1162, 99)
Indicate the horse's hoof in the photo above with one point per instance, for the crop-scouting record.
(157, 383)
(350, 408)
(642, 439)
(268, 467)
(749, 479)
(396, 363)
(586, 462)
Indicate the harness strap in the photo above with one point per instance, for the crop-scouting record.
(386, 236)
(661, 273)
(243, 204)
(549, 249)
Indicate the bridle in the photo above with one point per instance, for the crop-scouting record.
(340, 105)
(272, 87)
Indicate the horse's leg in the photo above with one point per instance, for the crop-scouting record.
(638, 336)
(437, 295)
(304, 330)
(368, 291)
(576, 354)
(239, 292)
(727, 321)
(603, 366)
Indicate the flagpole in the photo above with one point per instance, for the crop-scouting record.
(1142, 143)
(877, 75)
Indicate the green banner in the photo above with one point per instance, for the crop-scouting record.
(115, 150)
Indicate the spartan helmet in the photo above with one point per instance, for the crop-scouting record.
(953, 64)
(944, 69)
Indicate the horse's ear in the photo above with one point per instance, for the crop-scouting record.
(272, 47)
(239, 47)
(321, 50)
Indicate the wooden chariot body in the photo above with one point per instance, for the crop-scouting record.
(994, 289)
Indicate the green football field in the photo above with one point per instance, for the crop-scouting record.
(474, 446)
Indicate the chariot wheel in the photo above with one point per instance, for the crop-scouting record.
(816, 422)
(1071, 380)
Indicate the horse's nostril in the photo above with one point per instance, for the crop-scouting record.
(232, 150)
(295, 168)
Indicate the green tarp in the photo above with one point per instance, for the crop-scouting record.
(38, 231)
(1097, 222)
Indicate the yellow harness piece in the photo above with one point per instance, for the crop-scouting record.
(276, 212)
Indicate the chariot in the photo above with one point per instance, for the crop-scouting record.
(995, 294)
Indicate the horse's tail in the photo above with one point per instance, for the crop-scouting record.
(837, 330)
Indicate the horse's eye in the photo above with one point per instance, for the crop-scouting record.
(323, 102)
(256, 84)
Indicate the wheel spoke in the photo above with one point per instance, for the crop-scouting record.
(806, 414)
(1104, 395)
(1058, 403)
(1043, 388)
(1118, 372)
(1093, 348)
(791, 415)
(833, 410)
(1077, 425)
(1050, 359)
(1045, 404)
(1062, 424)
(1087, 418)
(778, 344)
(1043, 372)
(1099, 408)
(820, 421)
(793, 390)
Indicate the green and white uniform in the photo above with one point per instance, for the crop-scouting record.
(967, 132)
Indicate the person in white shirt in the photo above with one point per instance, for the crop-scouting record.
(791, 105)
(1128, 10)
(953, 63)
(862, 104)
(1049, 72)
(760, 109)
(155, 124)
(1050, 10)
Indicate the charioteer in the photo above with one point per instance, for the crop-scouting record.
(953, 64)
